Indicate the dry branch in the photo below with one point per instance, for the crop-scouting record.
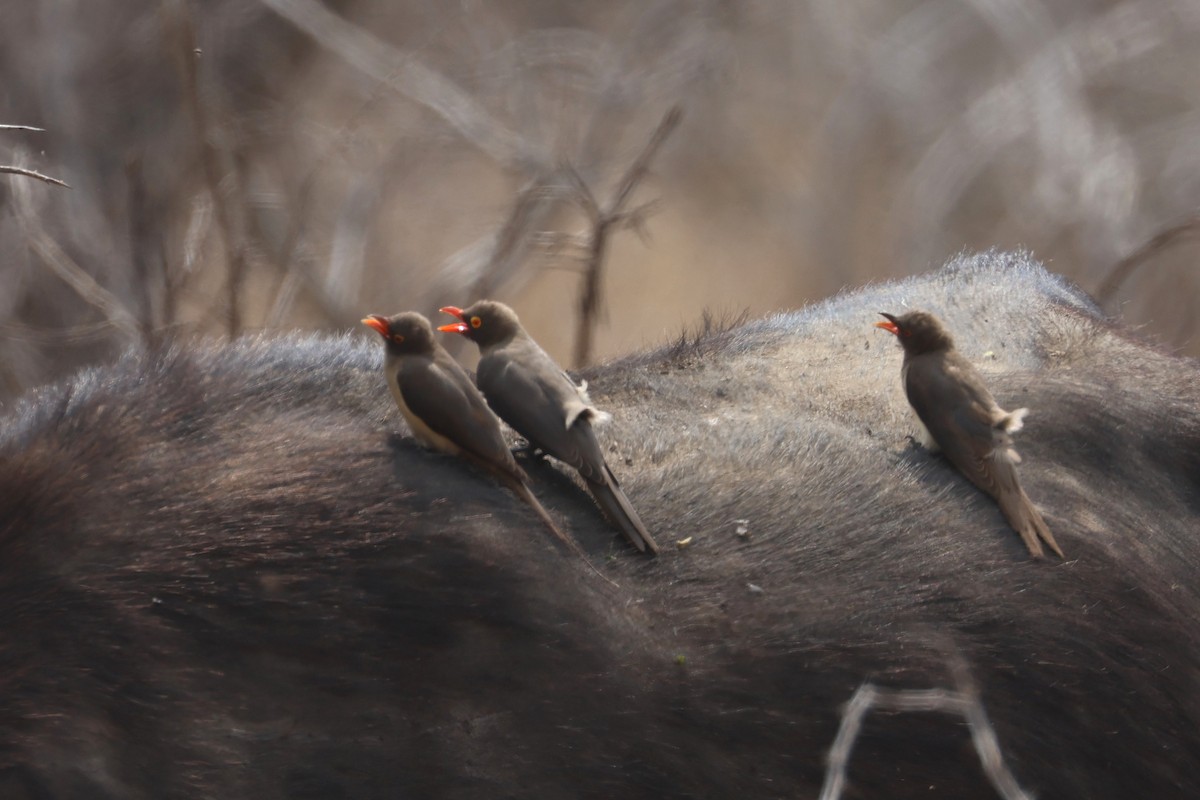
(62, 265)
(604, 221)
(963, 701)
(295, 274)
(532, 204)
(410, 78)
(489, 263)
(140, 231)
(28, 173)
(211, 160)
(1125, 268)
(75, 334)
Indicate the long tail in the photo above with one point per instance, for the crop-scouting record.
(1026, 520)
(1014, 504)
(522, 491)
(618, 508)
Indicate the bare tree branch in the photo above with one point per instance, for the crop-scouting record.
(140, 230)
(211, 159)
(57, 336)
(532, 204)
(556, 242)
(963, 701)
(604, 221)
(491, 262)
(409, 77)
(1125, 268)
(638, 169)
(583, 196)
(28, 173)
(64, 266)
(295, 276)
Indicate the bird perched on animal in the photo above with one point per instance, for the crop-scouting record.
(444, 409)
(542, 403)
(963, 419)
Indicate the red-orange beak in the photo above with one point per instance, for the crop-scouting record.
(379, 324)
(888, 325)
(453, 327)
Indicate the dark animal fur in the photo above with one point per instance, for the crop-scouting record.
(225, 573)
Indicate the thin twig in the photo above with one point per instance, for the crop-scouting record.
(56, 336)
(604, 221)
(62, 265)
(140, 224)
(293, 260)
(295, 276)
(532, 203)
(641, 166)
(584, 196)
(1124, 268)
(409, 77)
(963, 701)
(28, 173)
(491, 262)
(556, 243)
(211, 160)
(350, 238)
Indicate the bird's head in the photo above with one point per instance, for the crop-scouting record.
(486, 322)
(917, 331)
(406, 333)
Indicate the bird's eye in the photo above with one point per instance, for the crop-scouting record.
(397, 338)
(476, 322)
(905, 332)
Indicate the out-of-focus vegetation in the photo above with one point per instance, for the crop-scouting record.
(243, 165)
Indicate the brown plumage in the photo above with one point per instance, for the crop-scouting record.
(963, 419)
(541, 402)
(444, 409)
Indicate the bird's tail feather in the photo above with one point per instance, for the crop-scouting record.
(616, 505)
(1027, 521)
(522, 491)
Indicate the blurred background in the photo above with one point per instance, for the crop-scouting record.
(265, 165)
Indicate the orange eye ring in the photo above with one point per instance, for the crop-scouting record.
(476, 322)
(397, 338)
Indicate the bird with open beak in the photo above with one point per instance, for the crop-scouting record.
(541, 402)
(444, 409)
(963, 419)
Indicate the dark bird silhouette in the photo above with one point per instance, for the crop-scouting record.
(963, 419)
(444, 409)
(542, 403)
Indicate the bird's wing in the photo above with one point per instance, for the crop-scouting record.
(975, 434)
(950, 398)
(535, 399)
(443, 398)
